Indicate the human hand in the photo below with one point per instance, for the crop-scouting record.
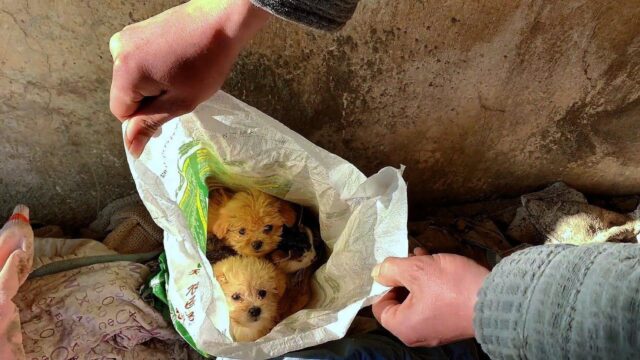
(442, 290)
(168, 64)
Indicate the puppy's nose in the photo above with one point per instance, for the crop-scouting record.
(256, 245)
(255, 311)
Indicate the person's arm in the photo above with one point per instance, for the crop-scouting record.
(545, 302)
(562, 301)
(319, 14)
(167, 65)
(442, 291)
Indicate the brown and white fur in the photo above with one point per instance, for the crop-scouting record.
(253, 288)
(299, 289)
(286, 259)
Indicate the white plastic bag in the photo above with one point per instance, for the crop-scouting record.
(362, 220)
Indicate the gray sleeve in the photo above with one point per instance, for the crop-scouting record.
(319, 14)
(562, 301)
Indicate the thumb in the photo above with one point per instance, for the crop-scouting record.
(396, 315)
(148, 120)
(393, 272)
(140, 129)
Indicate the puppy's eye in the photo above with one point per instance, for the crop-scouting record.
(262, 294)
(236, 297)
(267, 229)
(242, 231)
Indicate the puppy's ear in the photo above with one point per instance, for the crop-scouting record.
(221, 225)
(219, 196)
(222, 279)
(288, 213)
(281, 283)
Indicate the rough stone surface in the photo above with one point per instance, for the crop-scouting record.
(61, 148)
(477, 99)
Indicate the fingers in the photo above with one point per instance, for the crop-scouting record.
(395, 272)
(420, 251)
(124, 99)
(148, 120)
(140, 130)
(388, 303)
(394, 315)
(123, 102)
(130, 87)
(115, 45)
(130, 84)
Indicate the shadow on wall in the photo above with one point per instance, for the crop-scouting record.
(61, 148)
(477, 100)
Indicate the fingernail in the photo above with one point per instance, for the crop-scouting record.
(137, 146)
(376, 271)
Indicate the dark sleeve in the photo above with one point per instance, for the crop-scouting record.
(562, 302)
(319, 14)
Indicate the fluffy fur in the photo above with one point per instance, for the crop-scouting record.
(298, 293)
(249, 221)
(253, 288)
(295, 251)
(218, 197)
(299, 290)
(585, 228)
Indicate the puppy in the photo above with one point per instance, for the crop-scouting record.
(299, 290)
(217, 250)
(253, 288)
(218, 197)
(585, 228)
(298, 293)
(249, 221)
(295, 250)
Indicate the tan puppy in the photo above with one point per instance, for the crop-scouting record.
(253, 287)
(249, 221)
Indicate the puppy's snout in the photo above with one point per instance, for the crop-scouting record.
(256, 245)
(255, 311)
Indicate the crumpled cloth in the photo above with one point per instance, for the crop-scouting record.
(562, 215)
(474, 238)
(126, 226)
(92, 312)
(48, 250)
(489, 231)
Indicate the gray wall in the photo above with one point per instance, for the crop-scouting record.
(477, 99)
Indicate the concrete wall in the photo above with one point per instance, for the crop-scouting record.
(478, 99)
(61, 148)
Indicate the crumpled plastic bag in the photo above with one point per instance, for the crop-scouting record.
(362, 221)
